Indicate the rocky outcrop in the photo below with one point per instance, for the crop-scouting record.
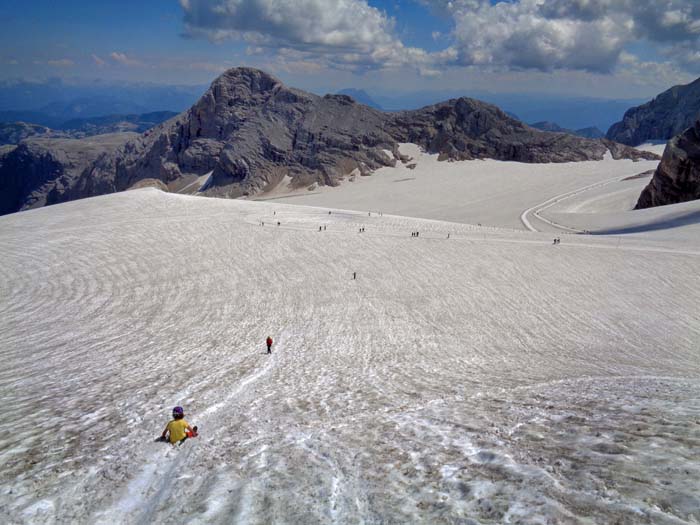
(39, 170)
(464, 129)
(662, 118)
(677, 179)
(251, 131)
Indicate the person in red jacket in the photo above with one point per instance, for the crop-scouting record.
(269, 344)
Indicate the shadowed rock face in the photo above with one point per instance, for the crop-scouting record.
(666, 116)
(251, 131)
(677, 179)
(40, 170)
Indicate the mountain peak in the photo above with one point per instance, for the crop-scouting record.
(256, 80)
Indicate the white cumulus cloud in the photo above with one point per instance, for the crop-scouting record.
(124, 60)
(531, 34)
(538, 35)
(344, 33)
(350, 24)
(588, 35)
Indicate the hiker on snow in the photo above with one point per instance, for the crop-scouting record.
(269, 344)
(178, 429)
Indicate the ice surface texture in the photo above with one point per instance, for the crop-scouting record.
(488, 378)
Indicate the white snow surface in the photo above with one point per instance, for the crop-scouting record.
(490, 192)
(657, 147)
(491, 377)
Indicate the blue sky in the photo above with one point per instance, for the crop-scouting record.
(608, 48)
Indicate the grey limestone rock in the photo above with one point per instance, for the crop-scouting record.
(39, 170)
(677, 179)
(662, 118)
(465, 128)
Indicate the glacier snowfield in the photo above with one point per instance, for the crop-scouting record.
(491, 377)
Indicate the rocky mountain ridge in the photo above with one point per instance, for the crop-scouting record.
(251, 131)
(662, 118)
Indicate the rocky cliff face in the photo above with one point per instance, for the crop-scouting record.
(251, 131)
(36, 172)
(677, 179)
(664, 117)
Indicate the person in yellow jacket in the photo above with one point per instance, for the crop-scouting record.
(178, 429)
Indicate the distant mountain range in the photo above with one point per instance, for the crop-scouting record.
(67, 100)
(589, 133)
(662, 118)
(251, 131)
(115, 123)
(54, 103)
(14, 132)
(360, 96)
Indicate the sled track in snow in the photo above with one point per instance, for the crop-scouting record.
(538, 208)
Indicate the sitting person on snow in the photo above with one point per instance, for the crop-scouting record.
(178, 429)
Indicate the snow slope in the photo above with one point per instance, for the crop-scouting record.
(486, 378)
(490, 192)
